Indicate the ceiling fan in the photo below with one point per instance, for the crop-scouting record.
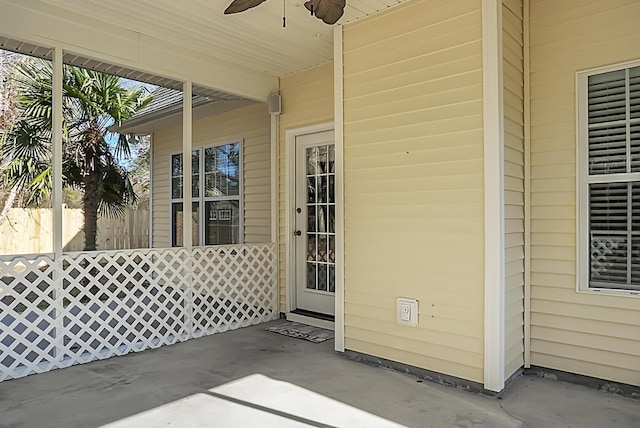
(329, 11)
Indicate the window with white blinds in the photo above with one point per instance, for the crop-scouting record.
(609, 143)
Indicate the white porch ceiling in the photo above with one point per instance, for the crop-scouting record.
(254, 40)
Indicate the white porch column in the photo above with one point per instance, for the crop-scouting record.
(274, 205)
(274, 177)
(494, 280)
(187, 90)
(338, 112)
(56, 152)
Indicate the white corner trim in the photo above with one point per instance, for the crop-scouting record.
(527, 187)
(338, 108)
(494, 281)
(187, 145)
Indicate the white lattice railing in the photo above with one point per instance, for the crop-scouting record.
(89, 306)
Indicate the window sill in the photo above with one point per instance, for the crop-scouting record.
(610, 292)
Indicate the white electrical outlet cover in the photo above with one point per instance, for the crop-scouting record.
(407, 311)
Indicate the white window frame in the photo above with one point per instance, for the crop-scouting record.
(201, 199)
(583, 179)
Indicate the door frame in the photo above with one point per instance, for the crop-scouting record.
(290, 177)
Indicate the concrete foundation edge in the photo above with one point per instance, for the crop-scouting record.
(618, 388)
(420, 373)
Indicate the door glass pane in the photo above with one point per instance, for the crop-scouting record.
(332, 278)
(322, 160)
(311, 276)
(322, 248)
(311, 218)
(322, 277)
(332, 189)
(332, 159)
(311, 247)
(320, 236)
(311, 189)
(332, 219)
(312, 158)
(322, 188)
(321, 212)
(331, 252)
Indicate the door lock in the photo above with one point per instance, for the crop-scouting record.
(298, 210)
(297, 232)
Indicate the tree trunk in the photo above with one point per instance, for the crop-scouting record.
(8, 204)
(90, 211)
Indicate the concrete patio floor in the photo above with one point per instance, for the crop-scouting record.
(251, 378)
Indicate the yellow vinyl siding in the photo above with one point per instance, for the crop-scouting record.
(589, 334)
(513, 91)
(251, 123)
(414, 197)
(165, 142)
(307, 99)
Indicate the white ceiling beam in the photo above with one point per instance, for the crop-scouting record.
(34, 21)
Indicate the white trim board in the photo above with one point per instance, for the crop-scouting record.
(493, 118)
(527, 187)
(338, 108)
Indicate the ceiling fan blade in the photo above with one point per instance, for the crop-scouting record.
(329, 11)
(237, 6)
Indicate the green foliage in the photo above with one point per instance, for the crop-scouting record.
(92, 103)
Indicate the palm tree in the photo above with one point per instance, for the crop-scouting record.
(92, 102)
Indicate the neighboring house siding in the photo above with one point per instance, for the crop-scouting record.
(307, 99)
(589, 334)
(513, 71)
(250, 123)
(414, 213)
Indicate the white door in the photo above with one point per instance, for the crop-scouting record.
(314, 225)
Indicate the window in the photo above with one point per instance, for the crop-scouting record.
(216, 186)
(609, 172)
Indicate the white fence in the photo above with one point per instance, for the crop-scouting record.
(89, 306)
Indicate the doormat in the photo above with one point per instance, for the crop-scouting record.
(302, 331)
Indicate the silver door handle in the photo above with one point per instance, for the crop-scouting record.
(297, 232)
